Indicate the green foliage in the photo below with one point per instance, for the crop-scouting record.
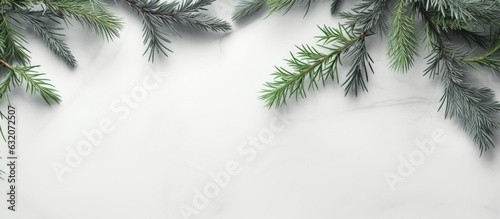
(403, 46)
(367, 15)
(90, 14)
(447, 24)
(246, 8)
(277, 5)
(13, 49)
(159, 20)
(309, 66)
(334, 6)
(46, 16)
(49, 34)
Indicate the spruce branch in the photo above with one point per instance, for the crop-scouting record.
(247, 7)
(9, 80)
(402, 39)
(13, 48)
(288, 84)
(49, 34)
(474, 107)
(483, 13)
(286, 5)
(159, 20)
(360, 66)
(334, 6)
(490, 59)
(36, 83)
(367, 16)
(447, 59)
(90, 14)
(311, 67)
(472, 38)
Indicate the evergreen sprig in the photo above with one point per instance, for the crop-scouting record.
(90, 14)
(246, 8)
(445, 26)
(46, 16)
(310, 66)
(160, 20)
(405, 45)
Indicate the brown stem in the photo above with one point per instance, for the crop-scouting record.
(4, 63)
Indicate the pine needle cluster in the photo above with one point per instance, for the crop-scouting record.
(48, 18)
(459, 37)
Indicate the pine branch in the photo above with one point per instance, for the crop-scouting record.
(483, 13)
(9, 80)
(159, 19)
(13, 41)
(474, 107)
(469, 20)
(247, 7)
(334, 6)
(472, 37)
(367, 16)
(90, 14)
(490, 59)
(277, 5)
(17, 3)
(309, 66)
(49, 34)
(35, 82)
(360, 66)
(402, 40)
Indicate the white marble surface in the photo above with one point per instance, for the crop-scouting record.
(328, 157)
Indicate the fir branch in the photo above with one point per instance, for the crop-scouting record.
(99, 19)
(309, 66)
(360, 66)
(474, 107)
(334, 6)
(36, 83)
(246, 7)
(189, 15)
(49, 34)
(277, 5)
(13, 41)
(9, 80)
(17, 3)
(469, 20)
(472, 37)
(490, 59)
(193, 6)
(367, 16)
(402, 40)
(479, 13)
(159, 19)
